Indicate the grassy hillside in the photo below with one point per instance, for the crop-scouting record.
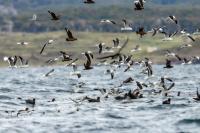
(86, 41)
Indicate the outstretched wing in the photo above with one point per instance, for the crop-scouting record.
(117, 53)
(69, 33)
(43, 48)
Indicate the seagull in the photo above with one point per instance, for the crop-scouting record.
(128, 80)
(107, 21)
(22, 43)
(135, 94)
(147, 67)
(88, 63)
(23, 61)
(126, 26)
(128, 58)
(47, 43)
(30, 101)
(54, 16)
(92, 100)
(34, 18)
(168, 64)
(70, 36)
(49, 73)
(168, 101)
(116, 43)
(173, 19)
(89, 1)
(117, 53)
(141, 32)
(186, 61)
(130, 63)
(139, 4)
(100, 46)
(158, 30)
(11, 60)
(74, 66)
(65, 56)
(23, 110)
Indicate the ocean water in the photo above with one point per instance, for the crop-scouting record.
(147, 114)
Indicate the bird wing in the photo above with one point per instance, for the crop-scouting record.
(117, 53)
(189, 36)
(51, 71)
(15, 60)
(69, 33)
(171, 86)
(21, 60)
(43, 48)
(178, 57)
(52, 14)
(198, 95)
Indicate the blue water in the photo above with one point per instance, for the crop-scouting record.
(137, 115)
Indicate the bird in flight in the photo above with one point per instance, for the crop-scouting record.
(139, 4)
(54, 16)
(89, 1)
(70, 36)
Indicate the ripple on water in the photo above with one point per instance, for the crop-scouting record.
(140, 115)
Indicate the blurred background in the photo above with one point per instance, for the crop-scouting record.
(15, 14)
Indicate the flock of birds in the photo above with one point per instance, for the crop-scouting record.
(117, 59)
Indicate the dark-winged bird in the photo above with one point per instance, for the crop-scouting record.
(54, 16)
(198, 96)
(141, 32)
(89, 1)
(168, 64)
(88, 63)
(70, 36)
(139, 4)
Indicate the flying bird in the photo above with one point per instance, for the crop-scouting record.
(70, 36)
(168, 101)
(22, 43)
(47, 43)
(139, 4)
(168, 64)
(126, 26)
(34, 18)
(49, 73)
(88, 63)
(116, 54)
(54, 16)
(12, 60)
(108, 21)
(116, 43)
(141, 32)
(173, 19)
(198, 96)
(89, 1)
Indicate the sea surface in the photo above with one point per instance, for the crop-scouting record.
(147, 114)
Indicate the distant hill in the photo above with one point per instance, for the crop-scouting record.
(34, 4)
(15, 15)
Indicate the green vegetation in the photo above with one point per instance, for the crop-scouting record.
(80, 17)
(86, 41)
